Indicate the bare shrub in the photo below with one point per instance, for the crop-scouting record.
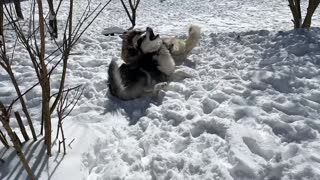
(133, 6)
(45, 63)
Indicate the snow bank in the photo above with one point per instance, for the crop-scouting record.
(247, 109)
(250, 112)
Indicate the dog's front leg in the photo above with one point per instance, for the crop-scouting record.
(157, 88)
(182, 73)
(154, 91)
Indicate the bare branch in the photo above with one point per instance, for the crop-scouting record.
(77, 37)
(133, 4)
(22, 128)
(70, 89)
(137, 4)
(7, 66)
(74, 102)
(3, 140)
(126, 9)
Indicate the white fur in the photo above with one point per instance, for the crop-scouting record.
(179, 48)
(135, 40)
(165, 60)
(148, 46)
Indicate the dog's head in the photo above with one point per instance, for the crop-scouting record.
(131, 37)
(129, 52)
(149, 42)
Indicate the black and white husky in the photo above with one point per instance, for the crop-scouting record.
(147, 74)
(179, 48)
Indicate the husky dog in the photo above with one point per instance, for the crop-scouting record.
(180, 48)
(147, 74)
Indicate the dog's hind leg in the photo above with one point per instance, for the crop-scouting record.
(149, 83)
(148, 80)
(154, 90)
(157, 93)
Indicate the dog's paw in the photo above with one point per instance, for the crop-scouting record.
(160, 86)
(158, 92)
(182, 73)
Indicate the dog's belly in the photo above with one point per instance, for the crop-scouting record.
(134, 73)
(130, 74)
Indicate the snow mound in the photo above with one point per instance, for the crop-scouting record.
(250, 112)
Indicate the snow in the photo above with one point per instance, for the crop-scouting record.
(248, 107)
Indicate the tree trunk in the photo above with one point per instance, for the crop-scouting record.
(44, 82)
(53, 29)
(46, 113)
(296, 13)
(133, 22)
(298, 10)
(313, 4)
(17, 6)
(1, 21)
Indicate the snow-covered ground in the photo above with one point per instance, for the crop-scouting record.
(250, 109)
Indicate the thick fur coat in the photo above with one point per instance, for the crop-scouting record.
(147, 74)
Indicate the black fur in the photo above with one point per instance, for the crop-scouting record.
(111, 81)
(134, 72)
(131, 73)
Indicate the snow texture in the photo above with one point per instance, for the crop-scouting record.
(248, 109)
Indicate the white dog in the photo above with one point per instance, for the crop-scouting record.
(180, 48)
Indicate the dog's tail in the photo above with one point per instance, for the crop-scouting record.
(116, 86)
(193, 38)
